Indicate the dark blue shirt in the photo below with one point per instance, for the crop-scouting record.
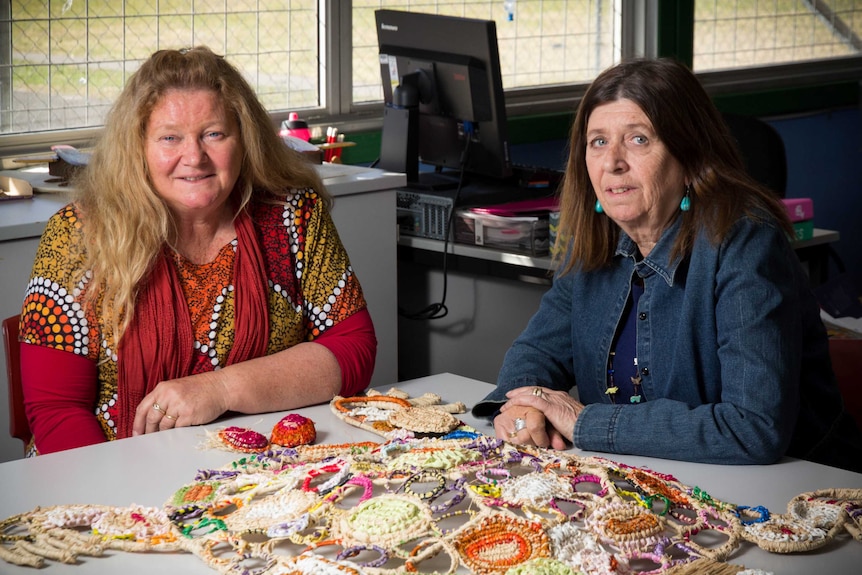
(625, 353)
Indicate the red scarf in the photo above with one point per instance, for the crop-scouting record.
(158, 344)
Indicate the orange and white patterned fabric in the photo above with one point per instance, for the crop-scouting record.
(311, 288)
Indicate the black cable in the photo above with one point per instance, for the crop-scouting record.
(439, 310)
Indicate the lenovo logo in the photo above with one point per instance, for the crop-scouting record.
(389, 27)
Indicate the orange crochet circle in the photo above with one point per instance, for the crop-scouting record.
(498, 543)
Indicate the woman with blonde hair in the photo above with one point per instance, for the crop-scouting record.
(197, 272)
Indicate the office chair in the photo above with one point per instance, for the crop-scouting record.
(765, 158)
(18, 425)
(847, 365)
(762, 150)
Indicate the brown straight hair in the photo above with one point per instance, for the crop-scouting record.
(693, 130)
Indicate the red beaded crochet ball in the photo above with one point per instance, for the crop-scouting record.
(293, 430)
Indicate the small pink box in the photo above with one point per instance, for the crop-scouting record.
(799, 209)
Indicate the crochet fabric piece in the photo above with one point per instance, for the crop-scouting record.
(396, 415)
(292, 430)
(242, 439)
(461, 502)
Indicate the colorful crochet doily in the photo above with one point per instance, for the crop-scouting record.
(436, 497)
(453, 503)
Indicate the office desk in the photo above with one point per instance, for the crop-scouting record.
(147, 470)
(363, 211)
(814, 253)
(491, 295)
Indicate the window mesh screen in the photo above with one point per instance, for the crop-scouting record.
(66, 61)
(546, 42)
(745, 33)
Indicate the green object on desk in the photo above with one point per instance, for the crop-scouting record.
(803, 230)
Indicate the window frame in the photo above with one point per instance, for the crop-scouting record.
(649, 28)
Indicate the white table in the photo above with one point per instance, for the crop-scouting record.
(147, 470)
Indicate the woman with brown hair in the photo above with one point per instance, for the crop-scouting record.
(680, 310)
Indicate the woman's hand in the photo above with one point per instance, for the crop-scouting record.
(192, 400)
(525, 426)
(557, 410)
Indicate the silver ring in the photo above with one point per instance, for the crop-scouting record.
(519, 424)
(537, 391)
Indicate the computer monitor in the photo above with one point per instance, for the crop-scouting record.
(443, 95)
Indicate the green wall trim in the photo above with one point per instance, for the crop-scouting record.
(540, 128)
(791, 101)
(555, 126)
(676, 30)
(522, 130)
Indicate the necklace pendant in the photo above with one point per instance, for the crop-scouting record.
(635, 399)
(612, 390)
(636, 380)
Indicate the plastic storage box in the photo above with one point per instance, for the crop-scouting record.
(520, 234)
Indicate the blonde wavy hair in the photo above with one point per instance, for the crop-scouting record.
(125, 223)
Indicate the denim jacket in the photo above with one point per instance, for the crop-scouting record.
(731, 348)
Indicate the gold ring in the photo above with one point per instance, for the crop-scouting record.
(158, 408)
(537, 391)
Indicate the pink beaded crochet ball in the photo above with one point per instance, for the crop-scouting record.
(292, 430)
(242, 439)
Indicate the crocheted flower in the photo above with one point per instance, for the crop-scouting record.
(497, 543)
(626, 526)
(278, 508)
(242, 439)
(577, 546)
(386, 521)
(536, 489)
(199, 494)
(784, 534)
(292, 430)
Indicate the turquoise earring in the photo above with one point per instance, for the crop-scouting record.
(599, 208)
(685, 204)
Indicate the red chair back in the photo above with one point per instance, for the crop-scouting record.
(18, 425)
